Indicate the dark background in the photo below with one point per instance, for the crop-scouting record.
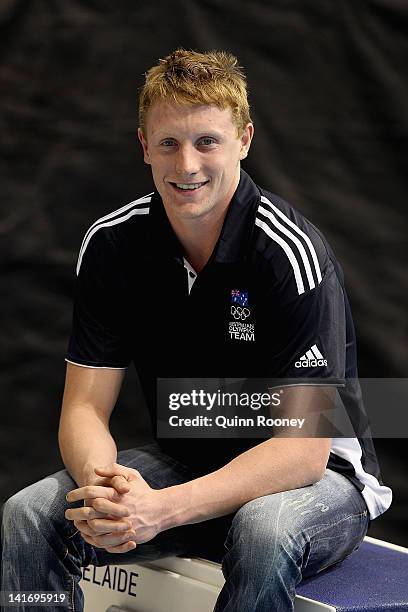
(329, 94)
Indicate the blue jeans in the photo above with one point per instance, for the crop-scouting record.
(270, 543)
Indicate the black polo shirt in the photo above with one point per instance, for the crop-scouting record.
(269, 303)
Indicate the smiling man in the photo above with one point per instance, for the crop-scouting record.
(195, 154)
(210, 275)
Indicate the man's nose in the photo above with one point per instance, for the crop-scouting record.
(187, 160)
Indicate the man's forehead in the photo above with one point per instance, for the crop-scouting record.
(164, 114)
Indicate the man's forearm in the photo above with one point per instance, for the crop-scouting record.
(85, 442)
(276, 465)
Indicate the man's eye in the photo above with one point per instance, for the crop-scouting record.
(206, 141)
(168, 142)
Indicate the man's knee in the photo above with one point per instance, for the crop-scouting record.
(14, 509)
(43, 499)
(260, 527)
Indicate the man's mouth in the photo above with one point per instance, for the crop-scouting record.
(188, 186)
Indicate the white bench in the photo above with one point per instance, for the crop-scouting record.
(176, 584)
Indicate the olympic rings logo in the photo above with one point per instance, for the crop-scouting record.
(240, 313)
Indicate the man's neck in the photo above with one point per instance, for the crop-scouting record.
(198, 237)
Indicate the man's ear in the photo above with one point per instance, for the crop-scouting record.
(144, 144)
(246, 140)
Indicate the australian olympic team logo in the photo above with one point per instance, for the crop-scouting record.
(240, 311)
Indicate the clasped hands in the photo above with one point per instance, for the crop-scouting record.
(120, 512)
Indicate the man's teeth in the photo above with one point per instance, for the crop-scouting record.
(189, 185)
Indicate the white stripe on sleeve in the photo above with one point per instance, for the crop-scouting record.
(289, 253)
(297, 242)
(299, 231)
(135, 211)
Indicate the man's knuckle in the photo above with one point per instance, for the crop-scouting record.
(85, 531)
(98, 505)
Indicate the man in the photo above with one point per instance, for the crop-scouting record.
(159, 283)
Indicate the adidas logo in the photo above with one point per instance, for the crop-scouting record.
(311, 359)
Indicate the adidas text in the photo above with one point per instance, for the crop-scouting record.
(310, 363)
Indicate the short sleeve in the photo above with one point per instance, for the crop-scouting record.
(98, 336)
(313, 333)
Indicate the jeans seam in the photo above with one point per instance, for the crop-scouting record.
(70, 588)
(73, 593)
(329, 525)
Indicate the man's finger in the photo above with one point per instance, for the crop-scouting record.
(84, 513)
(100, 526)
(89, 540)
(111, 469)
(84, 529)
(113, 539)
(97, 528)
(108, 471)
(121, 484)
(122, 548)
(99, 522)
(116, 469)
(108, 507)
(87, 535)
(92, 492)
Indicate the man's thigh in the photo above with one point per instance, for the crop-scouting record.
(317, 526)
(330, 520)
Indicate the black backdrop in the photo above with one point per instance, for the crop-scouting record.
(329, 95)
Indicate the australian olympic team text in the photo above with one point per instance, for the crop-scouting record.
(208, 401)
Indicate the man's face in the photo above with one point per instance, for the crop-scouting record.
(195, 154)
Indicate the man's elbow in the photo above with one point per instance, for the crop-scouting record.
(316, 461)
(317, 473)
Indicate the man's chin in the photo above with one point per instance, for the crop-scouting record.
(187, 210)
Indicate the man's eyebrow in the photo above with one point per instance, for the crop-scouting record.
(210, 134)
(203, 134)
